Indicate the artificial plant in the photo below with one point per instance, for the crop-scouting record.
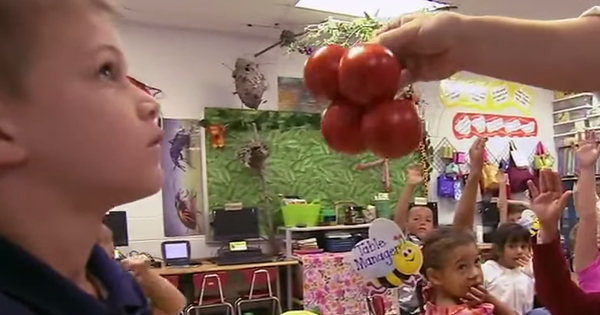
(345, 33)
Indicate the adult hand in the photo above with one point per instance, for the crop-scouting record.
(426, 45)
(548, 201)
(476, 154)
(414, 175)
(588, 150)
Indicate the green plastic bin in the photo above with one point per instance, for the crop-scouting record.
(301, 214)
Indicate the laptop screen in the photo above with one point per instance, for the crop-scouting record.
(177, 251)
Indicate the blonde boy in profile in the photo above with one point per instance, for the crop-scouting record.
(76, 138)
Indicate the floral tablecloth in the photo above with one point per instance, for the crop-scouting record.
(332, 286)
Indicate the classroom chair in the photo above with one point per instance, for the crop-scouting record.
(174, 280)
(210, 282)
(259, 277)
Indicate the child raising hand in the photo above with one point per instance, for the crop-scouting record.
(587, 261)
(415, 222)
(553, 283)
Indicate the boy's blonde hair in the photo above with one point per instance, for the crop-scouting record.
(21, 22)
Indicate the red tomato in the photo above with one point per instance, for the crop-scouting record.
(392, 129)
(369, 74)
(321, 71)
(340, 127)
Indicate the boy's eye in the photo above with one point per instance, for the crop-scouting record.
(107, 72)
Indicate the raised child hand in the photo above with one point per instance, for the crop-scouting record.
(477, 153)
(588, 150)
(548, 200)
(414, 175)
(501, 177)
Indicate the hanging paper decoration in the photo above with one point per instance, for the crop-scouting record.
(386, 259)
(530, 221)
(541, 158)
(217, 135)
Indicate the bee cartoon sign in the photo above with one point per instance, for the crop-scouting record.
(530, 221)
(386, 258)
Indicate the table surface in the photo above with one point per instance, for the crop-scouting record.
(208, 266)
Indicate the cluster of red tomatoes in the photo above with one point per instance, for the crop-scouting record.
(361, 83)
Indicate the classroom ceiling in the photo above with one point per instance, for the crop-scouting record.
(269, 17)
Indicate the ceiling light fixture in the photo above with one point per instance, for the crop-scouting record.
(383, 9)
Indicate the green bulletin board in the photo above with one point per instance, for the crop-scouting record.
(300, 163)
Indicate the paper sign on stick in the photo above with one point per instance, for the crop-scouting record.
(530, 221)
(386, 258)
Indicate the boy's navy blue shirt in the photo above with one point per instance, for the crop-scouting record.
(30, 287)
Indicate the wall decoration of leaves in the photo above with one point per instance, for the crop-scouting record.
(300, 163)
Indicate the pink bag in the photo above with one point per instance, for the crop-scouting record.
(459, 157)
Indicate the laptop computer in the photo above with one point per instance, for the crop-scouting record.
(176, 253)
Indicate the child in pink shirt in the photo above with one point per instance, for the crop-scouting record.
(588, 277)
(586, 260)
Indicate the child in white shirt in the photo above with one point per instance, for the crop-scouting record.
(509, 276)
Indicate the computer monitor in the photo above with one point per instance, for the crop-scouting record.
(116, 221)
(235, 225)
(176, 252)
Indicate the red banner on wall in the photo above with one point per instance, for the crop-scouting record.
(469, 125)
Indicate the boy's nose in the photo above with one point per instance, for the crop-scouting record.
(148, 109)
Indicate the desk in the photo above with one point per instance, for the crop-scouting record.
(208, 266)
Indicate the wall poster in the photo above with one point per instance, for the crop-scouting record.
(470, 125)
(485, 94)
(181, 190)
(292, 96)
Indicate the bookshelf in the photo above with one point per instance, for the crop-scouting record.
(572, 116)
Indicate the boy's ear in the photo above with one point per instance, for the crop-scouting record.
(11, 153)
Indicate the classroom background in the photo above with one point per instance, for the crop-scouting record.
(302, 198)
